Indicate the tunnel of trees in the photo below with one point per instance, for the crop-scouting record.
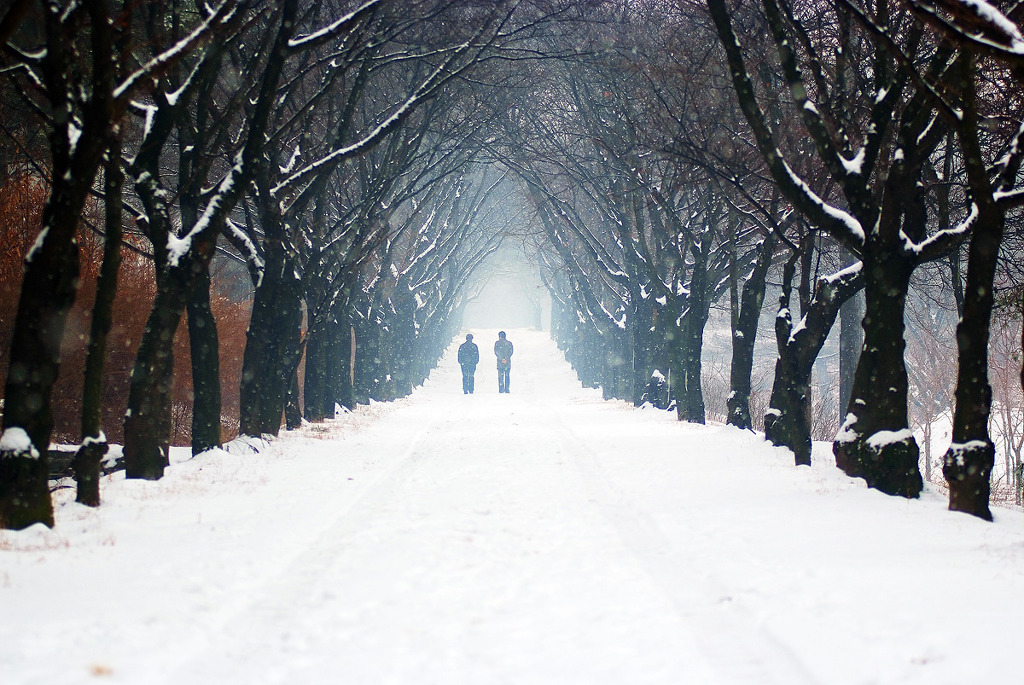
(268, 211)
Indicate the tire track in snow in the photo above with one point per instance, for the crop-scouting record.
(295, 593)
(323, 604)
(736, 648)
(521, 579)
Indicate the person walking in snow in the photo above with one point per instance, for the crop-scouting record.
(469, 357)
(503, 351)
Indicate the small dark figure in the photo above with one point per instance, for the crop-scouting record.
(503, 351)
(469, 357)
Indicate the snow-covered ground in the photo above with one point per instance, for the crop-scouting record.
(544, 536)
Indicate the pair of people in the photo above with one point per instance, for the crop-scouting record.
(469, 357)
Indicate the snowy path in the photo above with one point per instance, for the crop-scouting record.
(543, 536)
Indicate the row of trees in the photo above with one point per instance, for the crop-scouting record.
(695, 149)
(330, 147)
(359, 160)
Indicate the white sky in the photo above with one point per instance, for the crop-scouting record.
(544, 536)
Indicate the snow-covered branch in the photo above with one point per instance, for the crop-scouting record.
(222, 14)
(939, 243)
(335, 28)
(976, 23)
(331, 160)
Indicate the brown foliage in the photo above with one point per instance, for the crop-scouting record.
(21, 201)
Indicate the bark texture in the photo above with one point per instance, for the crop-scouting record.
(205, 353)
(744, 335)
(93, 448)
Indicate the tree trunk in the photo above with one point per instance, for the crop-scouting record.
(691, 402)
(318, 363)
(341, 359)
(616, 372)
(875, 442)
(51, 277)
(292, 409)
(685, 371)
(967, 465)
(94, 445)
(48, 291)
(591, 351)
(690, 394)
(744, 336)
(609, 371)
(205, 353)
(24, 491)
(364, 367)
(269, 343)
(851, 340)
(403, 344)
(787, 422)
(643, 353)
(147, 424)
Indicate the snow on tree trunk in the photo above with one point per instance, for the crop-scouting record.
(94, 445)
(875, 442)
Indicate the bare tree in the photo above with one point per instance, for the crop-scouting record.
(966, 94)
(74, 83)
(183, 254)
(399, 48)
(873, 138)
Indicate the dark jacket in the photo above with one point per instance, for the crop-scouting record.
(469, 354)
(503, 351)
